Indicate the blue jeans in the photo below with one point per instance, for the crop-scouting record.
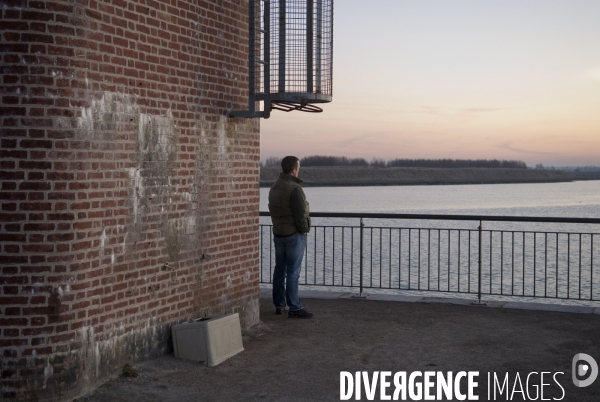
(289, 252)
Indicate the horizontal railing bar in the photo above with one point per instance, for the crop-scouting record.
(495, 231)
(484, 218)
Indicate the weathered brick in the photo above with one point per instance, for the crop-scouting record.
(35, 144)
(35, 195)
(8, 143)
(13, 300)
(8, 217)
(12, 175)
(38, 227)
(13, 237)
(13, 111)
(11, 248)
(35, 206)
(5, 343)
(12, 322)
(83, 193)
(35, 185)
(38, 248)
(60, 237)
(27, 15)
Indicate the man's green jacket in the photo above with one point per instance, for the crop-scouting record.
(288, 206)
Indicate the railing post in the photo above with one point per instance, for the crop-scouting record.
(479, 302)
(362, 226)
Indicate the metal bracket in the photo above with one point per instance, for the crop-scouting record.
(252, 112)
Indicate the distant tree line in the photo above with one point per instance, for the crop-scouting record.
(458, 163)
(322, 161)
(318, 160)
(576, 169)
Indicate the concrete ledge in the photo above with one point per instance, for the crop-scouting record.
(383, 297)
(463, 302)
(265, 293)
(550, 307)
(445, 300)
(319, 294)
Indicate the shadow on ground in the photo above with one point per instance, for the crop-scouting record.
(300, 360)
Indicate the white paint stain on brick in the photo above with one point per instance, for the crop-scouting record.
(97, 359)
(162, 125)
(111, 107)
(103, 239)
(222, 140)
(164, 130)
(86, 120)
(62, 122)
(144, 119)
(137, 187)
(185, 225)
(48, 371)
(122, 229)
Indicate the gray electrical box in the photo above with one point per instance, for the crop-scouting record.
(211, 340)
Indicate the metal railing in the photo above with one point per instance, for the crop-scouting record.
(505, 261)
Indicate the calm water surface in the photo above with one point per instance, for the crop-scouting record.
(579, 199)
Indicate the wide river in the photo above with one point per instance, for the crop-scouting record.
(580, 199)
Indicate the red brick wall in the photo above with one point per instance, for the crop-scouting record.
(128, 200)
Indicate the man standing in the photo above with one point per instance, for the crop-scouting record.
(291, 222)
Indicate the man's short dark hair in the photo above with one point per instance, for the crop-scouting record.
(289, 163)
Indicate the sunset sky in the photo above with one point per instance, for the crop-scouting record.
(469, 79)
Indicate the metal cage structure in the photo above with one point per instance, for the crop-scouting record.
(290, 56)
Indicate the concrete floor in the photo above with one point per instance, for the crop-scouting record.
(301, 360)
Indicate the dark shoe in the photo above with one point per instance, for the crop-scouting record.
(299, 314)
(279, 310)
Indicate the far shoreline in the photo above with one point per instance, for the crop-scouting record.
(372, 176)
